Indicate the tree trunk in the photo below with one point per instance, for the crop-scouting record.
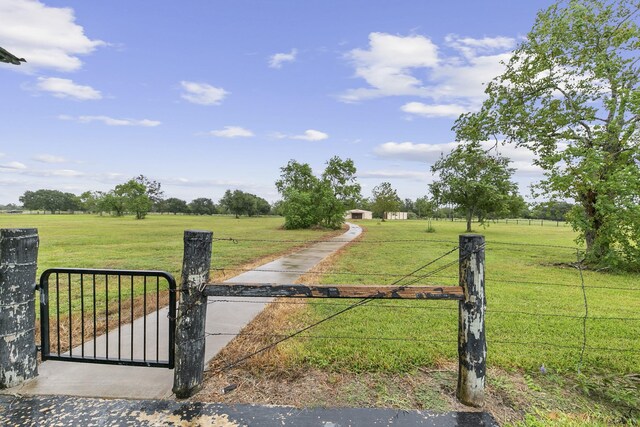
(469, 217)
(597, 247)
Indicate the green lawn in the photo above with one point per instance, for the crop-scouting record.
(155, 243)
(529, 292)
(535, 301)
(528, 297)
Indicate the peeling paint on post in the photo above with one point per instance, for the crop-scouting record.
(192, 313)
(472, 344)
(18, 264)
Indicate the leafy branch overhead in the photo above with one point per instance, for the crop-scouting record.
(571, 94)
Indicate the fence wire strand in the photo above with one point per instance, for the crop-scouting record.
(411, 339)
(586, 310)
(405, 280)
(377, 241)
(344, 310)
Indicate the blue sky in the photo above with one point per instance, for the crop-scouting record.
(209, 95)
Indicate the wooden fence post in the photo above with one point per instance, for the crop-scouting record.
(192, 313)
(18, 265)
(472, 344)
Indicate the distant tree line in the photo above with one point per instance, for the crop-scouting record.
(139, 196)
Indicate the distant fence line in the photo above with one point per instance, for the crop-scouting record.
(517, 221)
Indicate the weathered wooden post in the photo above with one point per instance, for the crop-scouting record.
(192, 313)
(18, 265)
(472, 344)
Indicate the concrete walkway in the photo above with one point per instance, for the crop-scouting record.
(130, 382)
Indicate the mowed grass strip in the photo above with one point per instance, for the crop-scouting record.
(535, 304)
(91, 241)
(155, 243)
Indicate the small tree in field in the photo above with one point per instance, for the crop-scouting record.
(474, 181)
(571, 94)
(135, 198)
(384, 199)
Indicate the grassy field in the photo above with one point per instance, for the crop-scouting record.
(535, 312)
(530, 290)
(535, 318)
(90, 241)
(156, 243)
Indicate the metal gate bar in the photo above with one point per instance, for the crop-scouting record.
(99, 281)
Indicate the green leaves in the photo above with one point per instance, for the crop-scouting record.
(385, 199)
(571, 94)
(310, 201)
(475, 181)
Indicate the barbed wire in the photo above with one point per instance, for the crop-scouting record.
(377, 241)
(330, 240)
(344, 310)
(586, 312)
(366, 274)
(411, 339)
(419, 306)
(405, 280)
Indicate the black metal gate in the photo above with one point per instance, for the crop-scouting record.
(121, 317)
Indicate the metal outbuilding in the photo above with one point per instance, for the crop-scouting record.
(395, 215)
(358, 214)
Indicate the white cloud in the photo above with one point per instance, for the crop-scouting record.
(202, 93)
(471, 47)
(66, 173)
(186, 182)
(110, 121)
(387, 65)
(47, 37)
(311, 135)
(49, 158)
(413, 152)
(276, 60)
(401, 174)
(521, 157)
(13, 165)
(232, 132)
(434, 110)
(451, 76)
(65, 88)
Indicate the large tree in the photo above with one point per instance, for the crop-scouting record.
(311, 201)
(425, 207)
(136, 199)
(570, 94)
(174, 205)
(340, 176)
(50, 200)
(474, 181)
(240, 203)
(202, 206)
(384, 199)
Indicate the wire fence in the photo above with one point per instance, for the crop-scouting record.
(440, 271)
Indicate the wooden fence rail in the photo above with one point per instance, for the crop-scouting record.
(472, 349)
